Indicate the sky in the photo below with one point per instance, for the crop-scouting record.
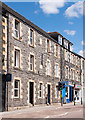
(63, 17)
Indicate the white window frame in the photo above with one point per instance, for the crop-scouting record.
(56, 93)
(40, 41)
(60, 39)
(15, 61)
(65, 44)
(67, 72)
(32, 37)
(48, 45)
(17, 30)
(66, 55)
(18, 89)
(56, 50)
(57, 70)
(73, 74)
(41, 90)
(48, 68)
(32, 62)
(77, 77)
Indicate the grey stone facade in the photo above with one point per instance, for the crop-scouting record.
(39, 75)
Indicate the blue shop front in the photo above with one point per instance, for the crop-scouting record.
(67, 93)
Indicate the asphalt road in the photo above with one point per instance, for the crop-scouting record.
(52, 111)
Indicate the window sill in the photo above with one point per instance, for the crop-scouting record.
(57, 77)
(32, 71)
(40, 97)
(17, 68)
(19, 39)
(16, 98)
(31, 46)
(48, 75)
(56, 97)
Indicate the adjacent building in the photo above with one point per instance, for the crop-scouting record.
(37, 61)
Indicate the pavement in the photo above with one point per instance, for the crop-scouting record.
(51, 111)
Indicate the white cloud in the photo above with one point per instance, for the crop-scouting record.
(75, 10)
(81, 52)
(82, 42)
(70, 32)
(51, 6)
(36, 11)
(71, 23)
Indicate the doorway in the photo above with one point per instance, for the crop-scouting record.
(49, 94)
(31, 92)
(72, 93)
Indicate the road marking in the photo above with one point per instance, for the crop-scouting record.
(63, 114)
(47, 117)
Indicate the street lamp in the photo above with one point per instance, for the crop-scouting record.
(74, 94)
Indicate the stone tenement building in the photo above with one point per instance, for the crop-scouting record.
(37, 61)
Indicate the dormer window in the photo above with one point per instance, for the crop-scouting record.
(65, 44)
(60, 39)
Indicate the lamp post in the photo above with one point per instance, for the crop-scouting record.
(74, 94)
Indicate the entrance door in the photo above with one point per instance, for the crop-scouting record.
(31, 98)
(49, 94)
(3, 95)
(72, 94)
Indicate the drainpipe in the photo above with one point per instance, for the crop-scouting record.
(1, 57)
(7, 56)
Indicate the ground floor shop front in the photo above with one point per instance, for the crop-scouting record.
(71, 93)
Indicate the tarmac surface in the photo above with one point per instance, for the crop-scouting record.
(51, 111)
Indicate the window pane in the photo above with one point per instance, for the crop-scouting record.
(48, 67)
(16, 88)
(17, 29)
(31, 62)
(47, 45)
(17, 58)
(40, 89)
(56, 92)
(16, 83)
(42, 59)
(31, 42)
(56, 70)
(60, 40)
(31, 37)
(40, 86)
(31, 67)
(16, 93)
(56, 49)
(40, 94)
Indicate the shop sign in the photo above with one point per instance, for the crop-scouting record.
(77, 86)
